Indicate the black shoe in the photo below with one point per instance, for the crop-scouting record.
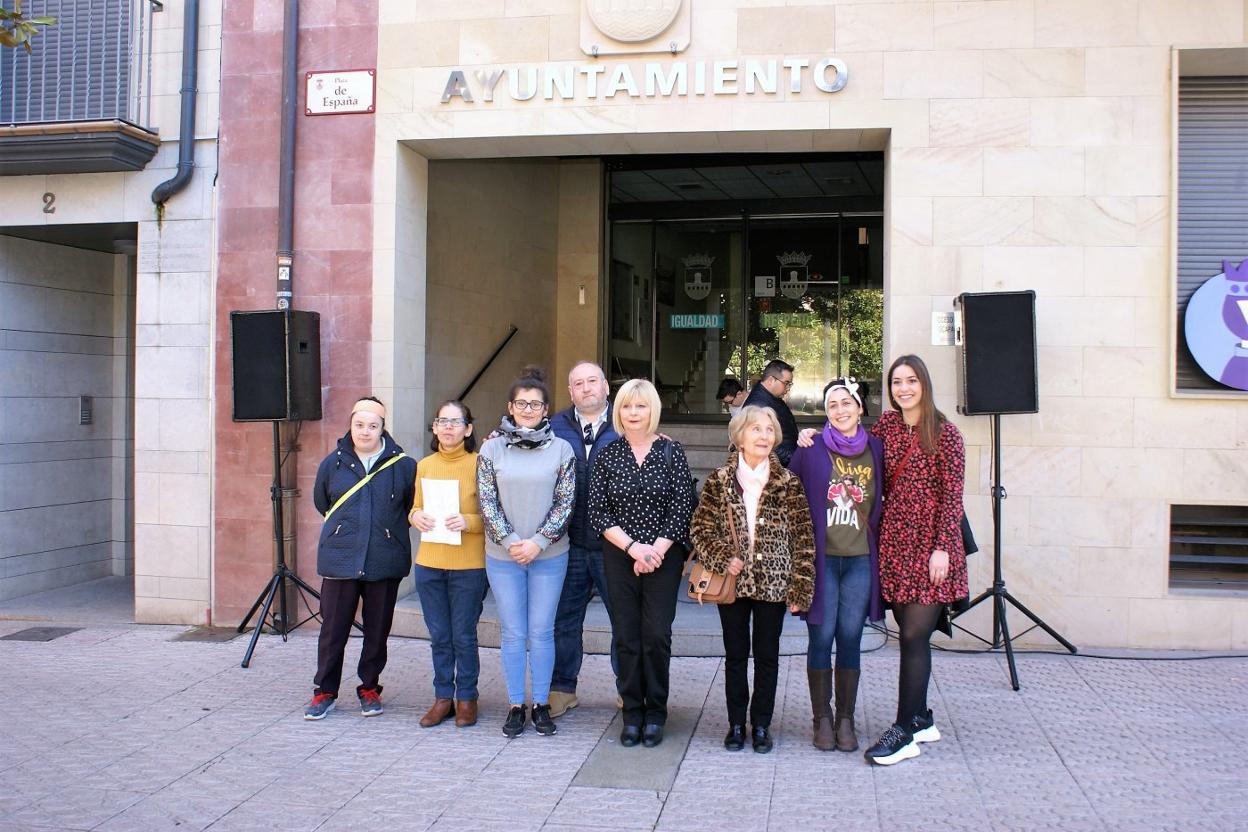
(893, 746)
(762, 740)
(652, 735)
(923, 727)
(630, 735)
(735, 740)
(514, 726)
(542, 723)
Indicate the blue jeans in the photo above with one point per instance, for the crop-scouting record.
(846, 587)
(451, 602)
(585, 572)
(527, 597)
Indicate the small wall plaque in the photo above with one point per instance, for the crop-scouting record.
(340, 92)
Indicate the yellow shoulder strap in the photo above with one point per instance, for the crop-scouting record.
(362, 483)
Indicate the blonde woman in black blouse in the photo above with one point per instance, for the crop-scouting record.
(640, 501)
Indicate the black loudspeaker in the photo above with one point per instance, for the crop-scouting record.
(277, 365)
(997, 358)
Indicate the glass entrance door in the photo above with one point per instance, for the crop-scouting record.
(676, 308)
(693, 302)
(816, 301)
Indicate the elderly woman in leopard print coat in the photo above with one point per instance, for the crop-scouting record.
(754, 522)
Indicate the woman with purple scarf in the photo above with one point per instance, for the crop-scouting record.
(841, 473)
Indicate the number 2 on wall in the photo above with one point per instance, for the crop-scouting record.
(49, 203)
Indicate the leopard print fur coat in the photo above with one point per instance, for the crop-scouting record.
(782, 566)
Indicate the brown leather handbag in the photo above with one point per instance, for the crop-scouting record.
(710, 587)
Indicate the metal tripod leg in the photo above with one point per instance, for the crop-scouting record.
(274, 583)
(999, 611)
(268, 588)
(1039, 623)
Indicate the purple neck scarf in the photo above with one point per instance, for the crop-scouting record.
(839, 443)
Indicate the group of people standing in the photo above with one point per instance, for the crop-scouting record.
(827, 525)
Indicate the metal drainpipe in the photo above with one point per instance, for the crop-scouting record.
(288, 474)
(286, 164)
(186, 134)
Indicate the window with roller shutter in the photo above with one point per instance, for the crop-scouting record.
(1212, 197)
(91, 65)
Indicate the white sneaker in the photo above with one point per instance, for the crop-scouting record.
(923, 727)
(893, 746)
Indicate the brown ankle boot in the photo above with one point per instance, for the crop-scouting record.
(438, 713)
(821, 707)
(846, 700)
(465, 712)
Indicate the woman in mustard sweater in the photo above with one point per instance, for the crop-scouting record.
(450, 578)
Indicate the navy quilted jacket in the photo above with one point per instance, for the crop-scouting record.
(367, 538)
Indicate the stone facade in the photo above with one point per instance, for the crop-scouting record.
(1029, 145)
(169, 285)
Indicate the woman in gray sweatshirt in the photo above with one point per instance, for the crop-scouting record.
(526, 481)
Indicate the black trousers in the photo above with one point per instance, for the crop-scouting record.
(339, 599)
(768, 624)
(643, 607)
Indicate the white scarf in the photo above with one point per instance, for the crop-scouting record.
(752, 481)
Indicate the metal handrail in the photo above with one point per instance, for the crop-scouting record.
(488, 362)
(93, 64)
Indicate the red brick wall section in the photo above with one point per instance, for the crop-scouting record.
(333, 264)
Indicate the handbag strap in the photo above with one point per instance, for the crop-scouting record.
(901, 466)
(338, 503)
(732, 529)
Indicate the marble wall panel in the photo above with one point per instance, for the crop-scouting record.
(989, 122)
(1033, 73)
(1005, 24)
(1076, 23)
(1033, 171)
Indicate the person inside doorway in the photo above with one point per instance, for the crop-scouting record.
(771, 391)
(732, 395)
(586, 426)
(363, 489)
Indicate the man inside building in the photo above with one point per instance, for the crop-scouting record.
(771, 391)
(586, 426)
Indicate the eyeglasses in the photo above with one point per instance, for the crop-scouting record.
(447, 423)
(788, 385)
(521, 404)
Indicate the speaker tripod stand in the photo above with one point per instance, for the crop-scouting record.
(997, 594)
(276, 587)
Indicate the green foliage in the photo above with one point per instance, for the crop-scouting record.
(864, 316)
(16, 29)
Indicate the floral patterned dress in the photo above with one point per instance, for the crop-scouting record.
(922, 513)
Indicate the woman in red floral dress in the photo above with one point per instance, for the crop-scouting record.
(922, 561)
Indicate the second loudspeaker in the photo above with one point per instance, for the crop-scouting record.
(997, 358)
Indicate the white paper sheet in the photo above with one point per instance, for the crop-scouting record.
(441, 498)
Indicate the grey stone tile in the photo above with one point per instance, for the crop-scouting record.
(75, 807)
(616, 808)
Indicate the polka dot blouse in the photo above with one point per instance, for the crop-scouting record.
(647, 501)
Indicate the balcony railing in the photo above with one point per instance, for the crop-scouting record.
(94, 64)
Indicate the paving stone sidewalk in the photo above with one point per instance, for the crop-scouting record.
(123, 728)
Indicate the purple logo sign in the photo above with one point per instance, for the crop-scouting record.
(1216, 325)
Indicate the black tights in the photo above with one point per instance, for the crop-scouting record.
(916, 622)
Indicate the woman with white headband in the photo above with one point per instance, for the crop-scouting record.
(363, 490)
(841, 473)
